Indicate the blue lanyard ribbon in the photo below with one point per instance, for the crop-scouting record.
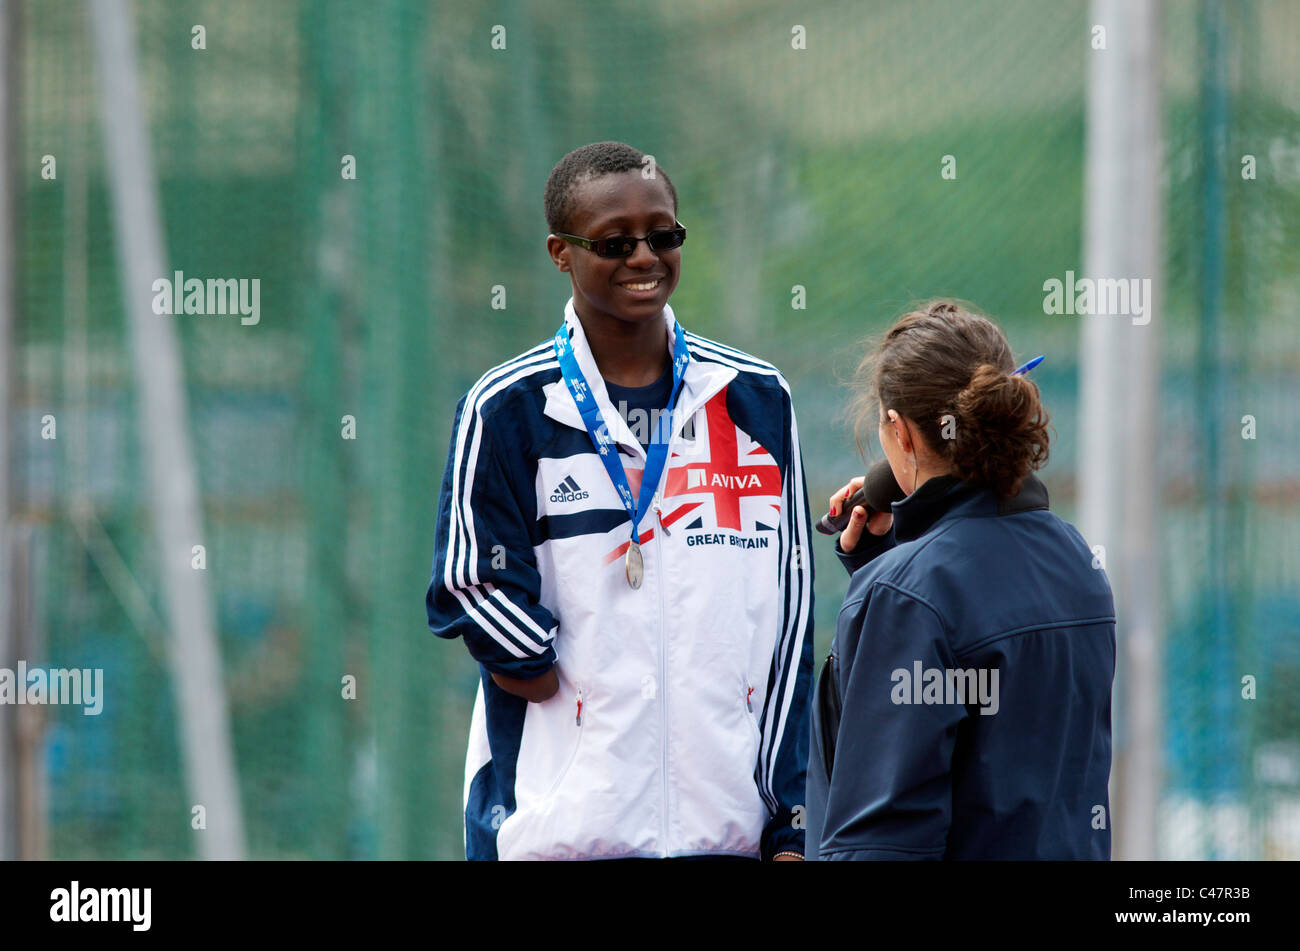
(656, 456)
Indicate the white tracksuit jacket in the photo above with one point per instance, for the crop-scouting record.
(680, 726)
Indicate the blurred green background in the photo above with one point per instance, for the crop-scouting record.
(817, 167)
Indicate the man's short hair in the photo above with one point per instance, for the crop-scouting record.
(590, 161)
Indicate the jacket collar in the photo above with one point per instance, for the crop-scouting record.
(702, 381)
(944, 495)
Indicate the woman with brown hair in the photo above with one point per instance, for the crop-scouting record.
(964, 711)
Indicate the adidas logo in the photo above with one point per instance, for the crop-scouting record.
(568, 491)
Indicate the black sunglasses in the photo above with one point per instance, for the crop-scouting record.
(623, 245)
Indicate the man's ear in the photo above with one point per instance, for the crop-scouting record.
(558, 249)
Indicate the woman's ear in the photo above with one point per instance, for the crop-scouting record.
(902, 434)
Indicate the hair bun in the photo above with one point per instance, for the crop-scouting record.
(1001, 429)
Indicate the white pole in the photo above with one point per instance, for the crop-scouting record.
(1119, 380)
(194, 653)
(8, 301)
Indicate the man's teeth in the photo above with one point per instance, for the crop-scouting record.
(647, 286)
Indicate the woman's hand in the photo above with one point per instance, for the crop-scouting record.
(878, 524)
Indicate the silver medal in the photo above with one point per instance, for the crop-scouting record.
(633, 566)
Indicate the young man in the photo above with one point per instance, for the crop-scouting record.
(640, 604)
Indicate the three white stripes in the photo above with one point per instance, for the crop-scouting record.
(462, 543)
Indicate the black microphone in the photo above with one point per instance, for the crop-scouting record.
(878, 491)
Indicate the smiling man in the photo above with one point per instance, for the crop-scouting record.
(643, 694)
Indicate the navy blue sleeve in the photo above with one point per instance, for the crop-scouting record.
(869, 548)
(485, 586)
(890, 789)
(783, 753)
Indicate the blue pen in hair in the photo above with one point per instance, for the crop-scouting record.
(1030, 365)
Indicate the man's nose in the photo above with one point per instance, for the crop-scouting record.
(642, 256)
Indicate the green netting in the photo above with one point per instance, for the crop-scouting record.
(817, 167)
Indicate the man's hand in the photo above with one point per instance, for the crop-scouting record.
(878, 524)
(535, 690)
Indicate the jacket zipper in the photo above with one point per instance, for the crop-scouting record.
(747, 692)
(573, 754)
(663, 689)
